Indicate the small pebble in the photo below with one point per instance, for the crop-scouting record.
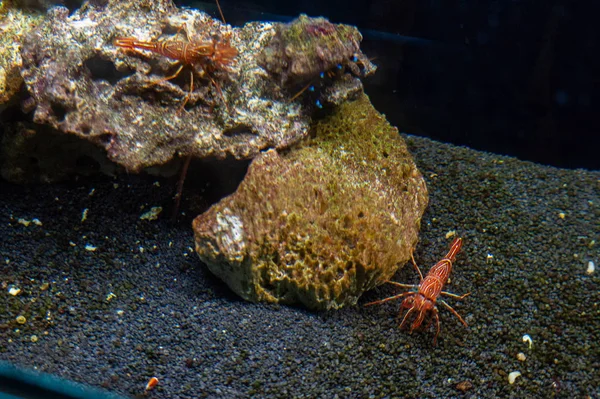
(21, 319)
(513, 376)
(34, 338)
(152, 383)
(152, 214)
(521, 356)
(464, 386)
(591, 268)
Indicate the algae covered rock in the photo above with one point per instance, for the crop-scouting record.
(323, 223)
(327, 56)
(84, 80)
(306, 47)
(83, 83)
(14, 24)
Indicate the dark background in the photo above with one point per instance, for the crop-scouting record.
(518, 78)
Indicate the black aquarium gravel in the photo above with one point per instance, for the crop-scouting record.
(115, 300)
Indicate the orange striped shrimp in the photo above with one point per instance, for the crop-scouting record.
(219, 54)
(429, 289)
(209, 55)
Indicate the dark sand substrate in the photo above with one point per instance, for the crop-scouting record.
(170, 318)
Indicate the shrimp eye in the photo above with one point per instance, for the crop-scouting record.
(408, 301)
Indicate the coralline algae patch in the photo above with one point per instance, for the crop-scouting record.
(323, 223)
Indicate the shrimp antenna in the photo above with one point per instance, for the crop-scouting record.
(221, 12)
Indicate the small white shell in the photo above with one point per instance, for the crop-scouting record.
(590, 269)
(527, 338)
(513, 376)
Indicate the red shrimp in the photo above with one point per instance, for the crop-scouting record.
(424, 300)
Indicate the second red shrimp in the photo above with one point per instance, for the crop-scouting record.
(213, 54)
(208, 55)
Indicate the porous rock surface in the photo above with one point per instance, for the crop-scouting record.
(83, 84)
(14, 23)
(323, 223)
(313, 52)
(324, 46)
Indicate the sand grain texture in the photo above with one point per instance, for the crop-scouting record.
(524, 264)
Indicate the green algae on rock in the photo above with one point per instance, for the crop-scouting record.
(326, 56)
(321, 224)
(306, 47)
(14, 23)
